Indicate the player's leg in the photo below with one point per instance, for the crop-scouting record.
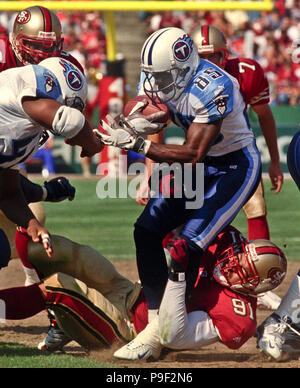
(22, 302)
(85, 315)
(159, 217)
(279, 335)
(179, 329)
(293, 158)
(79, 261)
(232, 181)
(256, 214)
(172, 327)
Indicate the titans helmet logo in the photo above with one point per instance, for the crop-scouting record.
(73, 78)
(183, 48)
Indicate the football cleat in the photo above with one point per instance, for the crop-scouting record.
(278, 338)
(268, 300)
(136, 350)
(145, 346)
(55, 339)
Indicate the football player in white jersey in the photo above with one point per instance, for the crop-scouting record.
(33, 98)
(206, 103)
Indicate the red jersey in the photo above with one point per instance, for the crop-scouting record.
(254, 85)
(233, 314)
(8, 61)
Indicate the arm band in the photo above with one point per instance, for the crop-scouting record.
(67, 122)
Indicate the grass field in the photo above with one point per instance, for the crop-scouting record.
(19, 356)
(107, 225)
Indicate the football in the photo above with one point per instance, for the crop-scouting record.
(149, 109)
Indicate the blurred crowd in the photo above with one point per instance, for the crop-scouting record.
(271, 38)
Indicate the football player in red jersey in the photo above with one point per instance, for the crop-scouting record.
(103, 307)
(211, 45)
(222, 304)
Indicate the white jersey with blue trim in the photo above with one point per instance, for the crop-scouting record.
(213, 94)
(19, 134)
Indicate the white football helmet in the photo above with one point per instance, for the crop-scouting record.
(265, 270)
(169, 59)
(72, 82)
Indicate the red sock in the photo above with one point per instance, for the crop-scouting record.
(22, 302)
(258, 228)
(21, 241)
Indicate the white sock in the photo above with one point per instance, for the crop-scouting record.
(31, 276)
(152, 314)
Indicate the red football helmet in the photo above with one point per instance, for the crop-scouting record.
(36, 35)
(264, 267)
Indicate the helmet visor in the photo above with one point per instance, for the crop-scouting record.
(33, 50)
(160, 86)
(235, 268)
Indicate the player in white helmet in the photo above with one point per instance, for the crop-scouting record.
(36, 35)
(206, 103)
(48, 96)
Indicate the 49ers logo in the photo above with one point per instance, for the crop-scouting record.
(275, 275)
(23, 17)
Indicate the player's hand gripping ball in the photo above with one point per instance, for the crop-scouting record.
(136, 104)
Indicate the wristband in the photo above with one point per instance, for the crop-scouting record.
(138, 144)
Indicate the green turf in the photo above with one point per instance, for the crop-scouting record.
(107, 224)
(20, 356)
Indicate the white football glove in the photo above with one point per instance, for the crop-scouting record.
(140, 124)
(121, 137)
